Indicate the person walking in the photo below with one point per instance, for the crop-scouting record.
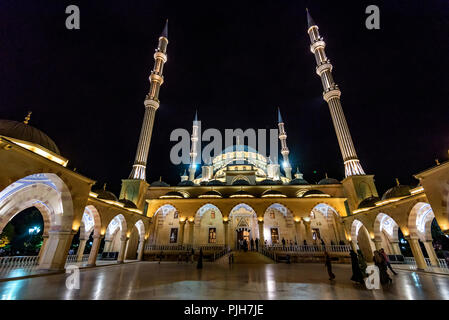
(328, 265)
(357, 275)
(257, 244)
(283, 243)
(192, 256)
(387, 261)
(362, 262)
(252, 244)
(380, 262)
(160, 257)
(200, 260)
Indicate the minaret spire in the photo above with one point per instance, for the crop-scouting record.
(193, 148)
(284, 149)
(151, 105)
(331, 95)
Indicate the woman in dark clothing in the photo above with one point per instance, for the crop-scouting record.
(328, 265)
(380, 262)
(200, 260)
(357, 275)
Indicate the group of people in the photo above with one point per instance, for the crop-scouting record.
(253, 245)
(359, 266)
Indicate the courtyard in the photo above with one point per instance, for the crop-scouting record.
(151, 280)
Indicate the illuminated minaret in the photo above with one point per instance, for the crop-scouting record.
(151, 105)
(331, 95)
(284, 149)
(194, 147)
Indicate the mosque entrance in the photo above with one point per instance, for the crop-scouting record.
(243, 234)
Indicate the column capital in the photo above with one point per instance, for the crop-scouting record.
(260, 222)
(225, 222)
(182, 222)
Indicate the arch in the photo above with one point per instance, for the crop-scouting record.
(242, 208)
(209, 217)
(420, 221)
(385, 223)
(278, 224)
(165, 218)
(361, 239)
(141, 228)
(118, 223)
(164, 210)
(45, 191)
(240, 177)
(91, 221)
(325, 224)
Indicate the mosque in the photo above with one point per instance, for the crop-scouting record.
(239, 194)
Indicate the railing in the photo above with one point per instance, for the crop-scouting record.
(309, 248)
(412, 262)
(219, 254)
(184, 247)
(10, 265)
(72, 258)
(267, 253)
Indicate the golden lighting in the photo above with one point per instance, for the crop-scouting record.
(417, 190)
(349, 238)
(225, 219)
(297, 219)
(191, 219)
(260, 219)
(182, 219)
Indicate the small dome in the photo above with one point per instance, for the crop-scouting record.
(267, 182)
(204, 183)
(128, 203)
(314, 193)
(396, 192)
(329, 181)
(186, 183)
(172, 195)
(273, 194)
(211, 194)
(240, 182)
(25, 132)
(368, 202)
(159, 183)
(215, 183)
(241, 194)
(106, 195)
(297, 182)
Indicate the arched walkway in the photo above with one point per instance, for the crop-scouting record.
(116, 237)
(134, 248)
(386, 234)
(165, 226)
(243, 225)
(325, 226)
(278, 224)
(208, 226)
(361, 239)
(50, 195)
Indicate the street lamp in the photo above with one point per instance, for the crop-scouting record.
(34, 230)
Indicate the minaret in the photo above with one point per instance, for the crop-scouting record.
(184, 176)
(151, 105)
(193, 148)
(331, 95)
(284, 149)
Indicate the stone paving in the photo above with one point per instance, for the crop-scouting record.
(151, 280)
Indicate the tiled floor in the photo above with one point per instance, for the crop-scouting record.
(150, 280)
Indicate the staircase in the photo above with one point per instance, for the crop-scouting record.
(251, 257)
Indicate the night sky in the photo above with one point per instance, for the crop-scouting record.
(234, 61)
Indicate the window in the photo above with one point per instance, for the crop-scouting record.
(173, 235)
(316, 234)
(212, 235)
(272, 215)
(212, 214)
(175, 215)
(274, 235)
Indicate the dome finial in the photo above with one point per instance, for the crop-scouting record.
(104, 186)
(326, 175)
(437, 162)
(160, 178)
(28, 117)
(397, 182)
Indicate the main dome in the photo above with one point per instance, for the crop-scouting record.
(25, 132)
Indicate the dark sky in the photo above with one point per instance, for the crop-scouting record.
(235, 61)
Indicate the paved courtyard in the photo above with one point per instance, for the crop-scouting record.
(150, 280)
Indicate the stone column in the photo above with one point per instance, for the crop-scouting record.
(377, 244)
(417, 253)
(121, 254)
(395, 247)
(107, 245)
(56, 249)
(41, 251)
(298, 232)
(431, 253)
(80, 252)
(182, 225)
(91, 261)
(191, 238)
(308, 232)
(261, 235)
(141, 249)
(353, 245)
(226, 235)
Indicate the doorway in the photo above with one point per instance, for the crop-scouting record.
(243, 234)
